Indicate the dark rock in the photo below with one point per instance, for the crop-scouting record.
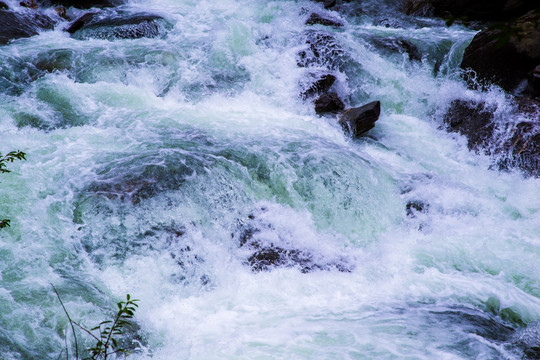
(327, 3)
(471, 119)
(61, 11)
(265, 255)
(3, 6)
(522, 150)
(358, 120)
(329, 102)
(507, 53)
(401, 46)
(31, 4)
(15, 26)
(81, 22)
(324, 50)
(485, 10)
(315, 18)
(87, 4)
(117, 27)
(416, 206)
(322, 84)
(533, 82)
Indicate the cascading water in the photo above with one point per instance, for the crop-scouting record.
(165, 166)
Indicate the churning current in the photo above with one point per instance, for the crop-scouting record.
(188, 167)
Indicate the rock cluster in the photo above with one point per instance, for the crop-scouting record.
(94, 24)
(506, 53)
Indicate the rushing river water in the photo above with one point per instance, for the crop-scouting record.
(158, 166)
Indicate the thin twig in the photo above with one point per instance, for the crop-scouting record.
(70, 322)
(86, 330)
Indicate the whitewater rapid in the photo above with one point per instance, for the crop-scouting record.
(149, 160)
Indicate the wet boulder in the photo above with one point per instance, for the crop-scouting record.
(328, 103)
(357, 121)
(3, 6)
(485, 10)
(80, 22)
(396, 45)
(120, 26)
(263, 254)
(316, 19)
(522, 149)
(323, 83)
(323, 50)
(506, 53)
(22, 25)
(472, 119)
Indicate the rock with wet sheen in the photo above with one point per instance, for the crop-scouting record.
(358, 120)
(22, 25)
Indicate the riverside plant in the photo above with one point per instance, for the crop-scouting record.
(106, 334)
(9, 158)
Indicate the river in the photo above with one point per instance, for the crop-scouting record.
(159, 166)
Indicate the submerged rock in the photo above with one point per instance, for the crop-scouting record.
(265, 255)
(328, 103)
(134, 26)
(315, 19)
(22, 25)
(80, 22)
(471, 119)
(505, 54)
(416, 206)
(322, 84)
(476, 121)
(358, 120)
(323, 50)
(401, 46)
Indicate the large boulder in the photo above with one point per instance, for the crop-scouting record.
(92, 25)
(22, 25)
(505, 54)
(486, 10)
(471, 119)
(358, 120)
(476, 121)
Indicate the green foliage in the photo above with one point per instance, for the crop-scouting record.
(9, 158)
(107, 342)
(107, 334)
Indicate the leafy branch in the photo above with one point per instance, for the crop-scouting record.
(106, 333)
(9, 158)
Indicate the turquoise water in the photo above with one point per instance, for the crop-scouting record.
(150, 159)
